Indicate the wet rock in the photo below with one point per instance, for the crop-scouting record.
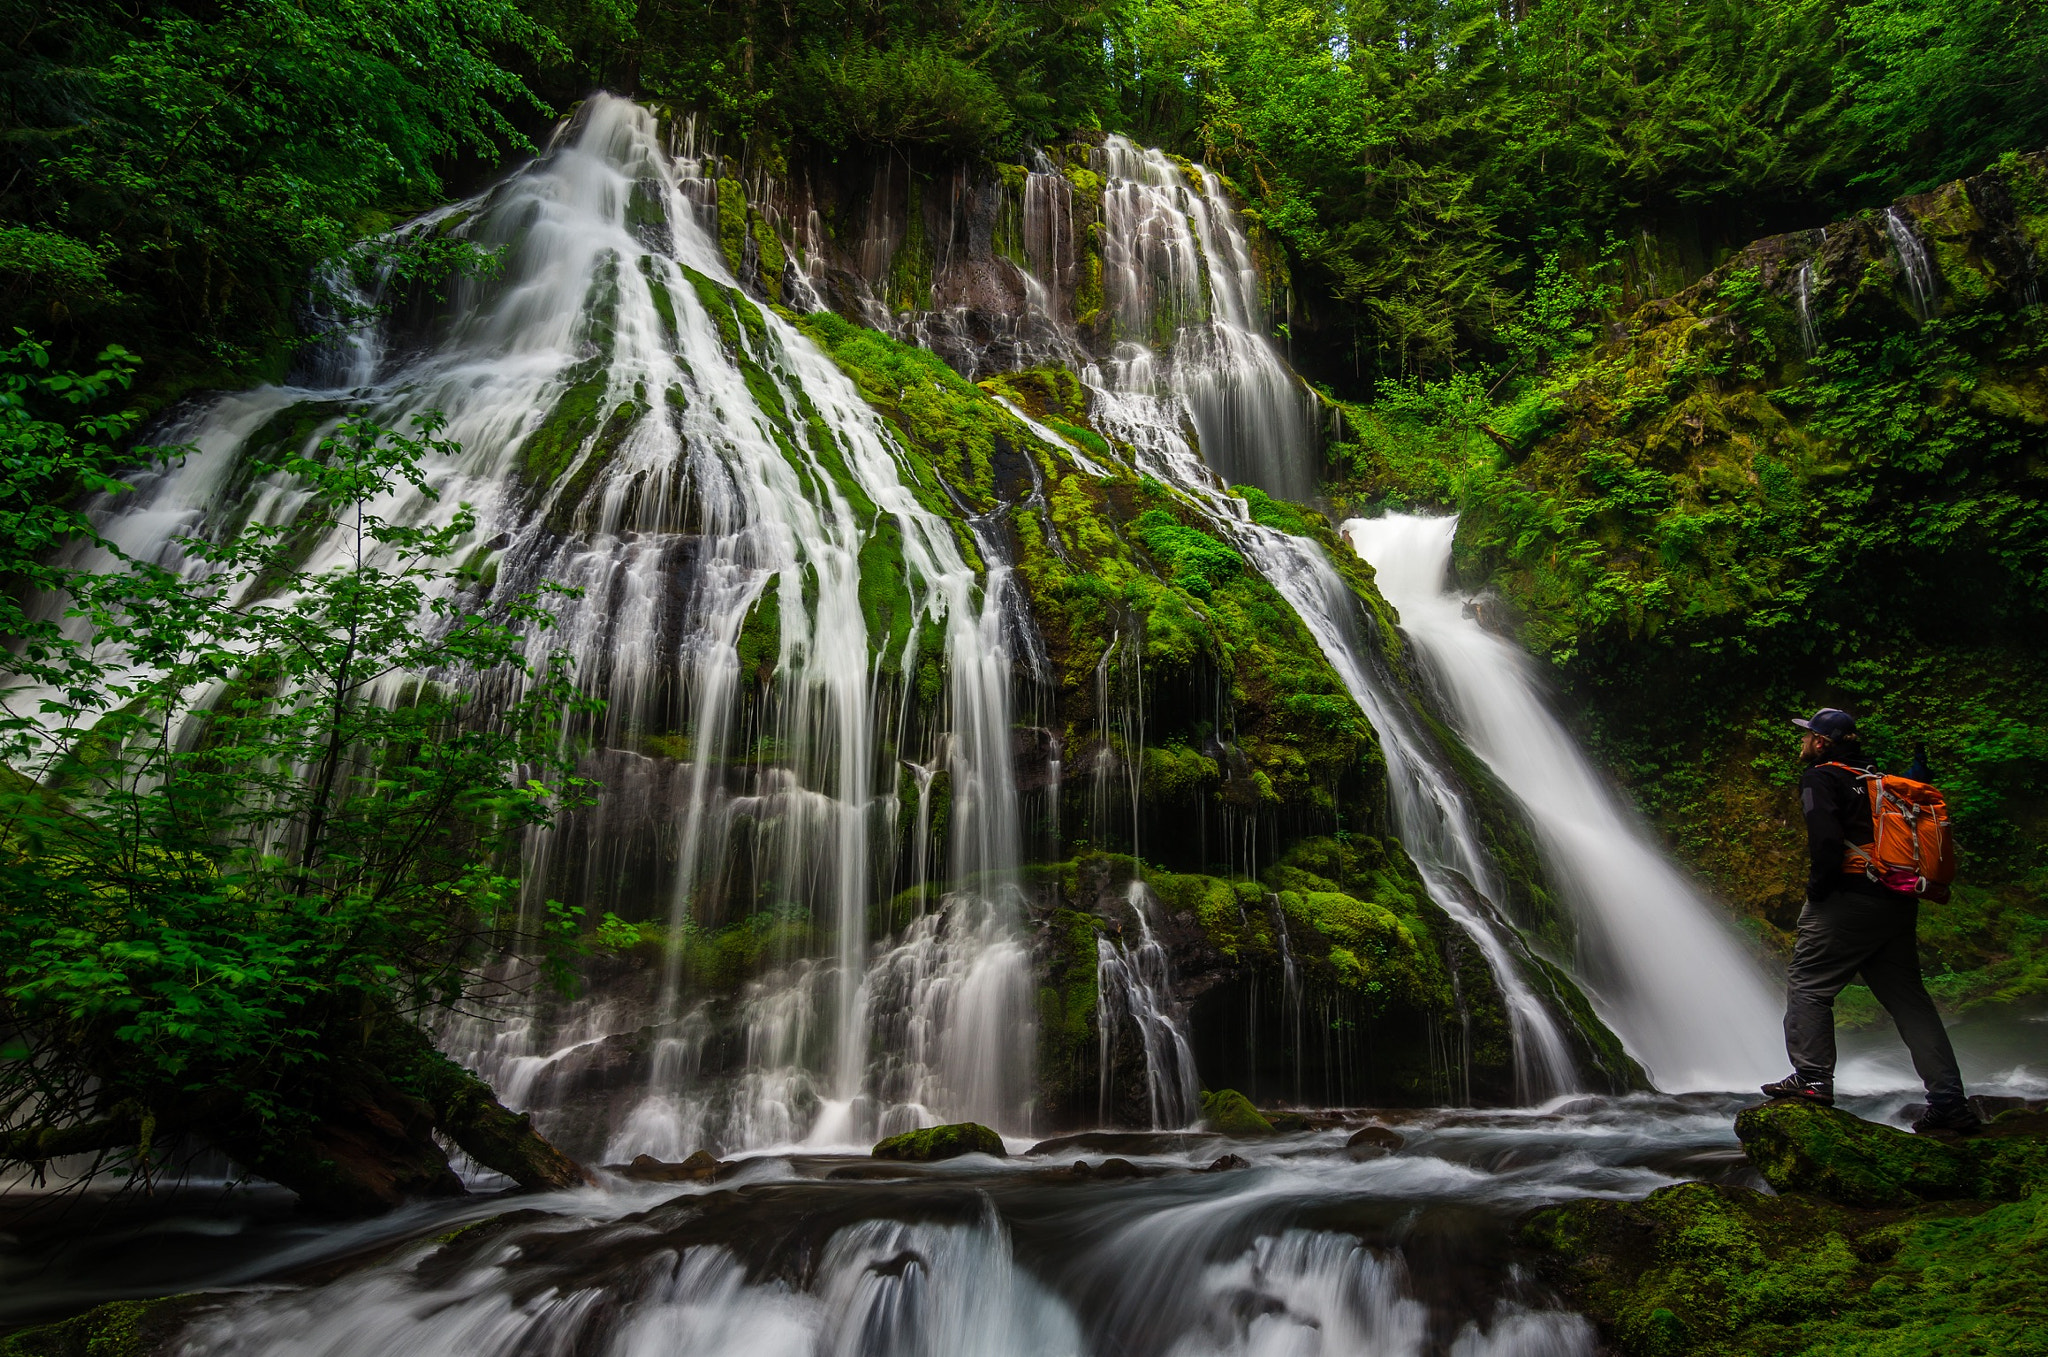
(700, 1167)
(941, 1142)
(1118, 1168)
(1226, 1163)
(1232, 1113)
(1126, 1143)
(869, 1173)
(1288, 1122)
(1371, 1142)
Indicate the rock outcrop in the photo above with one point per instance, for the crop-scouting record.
(1879, 1242)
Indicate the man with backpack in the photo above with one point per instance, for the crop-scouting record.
(1875, 845)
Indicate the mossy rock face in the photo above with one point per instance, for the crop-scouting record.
(121, 1328)
(941, 1142)
(1232, 1113)
(1829, 1153)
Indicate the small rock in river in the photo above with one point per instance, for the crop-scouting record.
(1228, 1161)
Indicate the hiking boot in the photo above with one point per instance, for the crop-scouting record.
(1799, 1087)
(1958, 1119)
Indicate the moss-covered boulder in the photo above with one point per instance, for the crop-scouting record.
(1232, 1113)
(1699, 1268)
(941, 1142)
(1881, 1264)
(1829, 1153)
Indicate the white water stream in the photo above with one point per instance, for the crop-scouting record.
(1657, 957)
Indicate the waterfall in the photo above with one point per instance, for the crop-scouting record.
(1136, 986)
(1802, 294)
(1181, 287)
(1667, 973)
(633, 425)
(1189, 322)
(1914, 264)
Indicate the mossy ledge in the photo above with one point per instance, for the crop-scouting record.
(1881, 1244)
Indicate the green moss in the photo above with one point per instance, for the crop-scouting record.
(732, 223)
(760, 639)
(769, 255)
(910, 267)
(885, 591)
(122, 1328)
(1830, 1153)
(1175, 774)
(664, 305)
(551, 448)
(1700, 1269)
(1232, 1113)
(617, 425)
(941, 1142)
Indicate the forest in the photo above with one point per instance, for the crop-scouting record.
(1630, 286)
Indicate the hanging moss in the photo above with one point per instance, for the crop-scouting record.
(769, 256)
(884, 591)
(552, 446)
(732, 223)
(910, 267)
(760, 639)
(617, 426)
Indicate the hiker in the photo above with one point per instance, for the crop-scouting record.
(1855, 925)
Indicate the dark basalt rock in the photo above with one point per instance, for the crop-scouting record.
(1226, 1163)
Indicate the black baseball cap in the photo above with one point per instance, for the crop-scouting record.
(1829, 723)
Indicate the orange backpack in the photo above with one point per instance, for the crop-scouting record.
(1910, 849)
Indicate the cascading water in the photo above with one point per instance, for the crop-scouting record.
(1913, 262)
(634, 426)
(1189, 321)
(1135, 987)
(1668, 974)
(1176, 267)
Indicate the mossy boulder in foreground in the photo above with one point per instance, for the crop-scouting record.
(1829, 1153)
(1953, 1260)
(941, 1142)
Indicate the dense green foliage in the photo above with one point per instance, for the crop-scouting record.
(243, 823)
(1423, 157)
(173, 172)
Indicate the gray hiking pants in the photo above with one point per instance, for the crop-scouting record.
(1840, 937)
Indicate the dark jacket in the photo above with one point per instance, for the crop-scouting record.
(1837, 810)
